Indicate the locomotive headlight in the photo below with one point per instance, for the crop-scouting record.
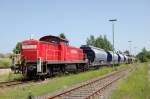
(29, 46)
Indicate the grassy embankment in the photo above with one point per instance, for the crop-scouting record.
(10, 76)
(53, 84)
(5, 62)
(135, 86)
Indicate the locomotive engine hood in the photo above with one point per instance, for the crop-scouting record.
(30, 49)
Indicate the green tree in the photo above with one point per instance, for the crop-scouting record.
(127, 52)
(62, 35)
(100, 42)
(91, 40)
(107, 44)
(144, 55)
(17, 48)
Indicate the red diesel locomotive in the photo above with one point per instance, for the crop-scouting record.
(49, 54)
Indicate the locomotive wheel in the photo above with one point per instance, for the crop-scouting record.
(42, 78)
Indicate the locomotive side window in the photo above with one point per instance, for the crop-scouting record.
(55, 40)
(45, 39)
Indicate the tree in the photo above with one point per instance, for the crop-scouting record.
(91, 40)
(100, 42)
(107, 44)
(17, 49)
(62, 35)
(127, 52)
(144, 55)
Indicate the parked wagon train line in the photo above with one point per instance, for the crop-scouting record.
(51, 54)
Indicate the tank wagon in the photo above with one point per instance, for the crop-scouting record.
(131, 60)
(50, 55)
(96, 56)
(126, 59)
(112, 58)
(121, 58)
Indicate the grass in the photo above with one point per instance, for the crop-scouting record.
(136, 86)
(5, 62)
(10, 76)
(53, 84)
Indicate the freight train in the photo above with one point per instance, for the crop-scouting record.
(51, 54)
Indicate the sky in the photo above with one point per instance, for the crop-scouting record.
(78, 19)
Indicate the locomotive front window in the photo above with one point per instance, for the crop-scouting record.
(66, 43)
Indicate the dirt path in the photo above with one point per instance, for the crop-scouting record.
(5, 71)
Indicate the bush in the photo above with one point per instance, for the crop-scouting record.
(144, 55)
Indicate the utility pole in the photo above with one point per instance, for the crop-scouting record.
(113, 26)
(130, 46)
(135, 50)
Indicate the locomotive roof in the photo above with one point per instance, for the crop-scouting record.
(51, 36)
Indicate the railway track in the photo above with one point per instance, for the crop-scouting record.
(93, 89)
(10, 83)
(13, 83)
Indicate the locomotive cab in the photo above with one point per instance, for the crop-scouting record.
(54, 40)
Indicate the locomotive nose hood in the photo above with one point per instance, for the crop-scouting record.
(30, 49)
